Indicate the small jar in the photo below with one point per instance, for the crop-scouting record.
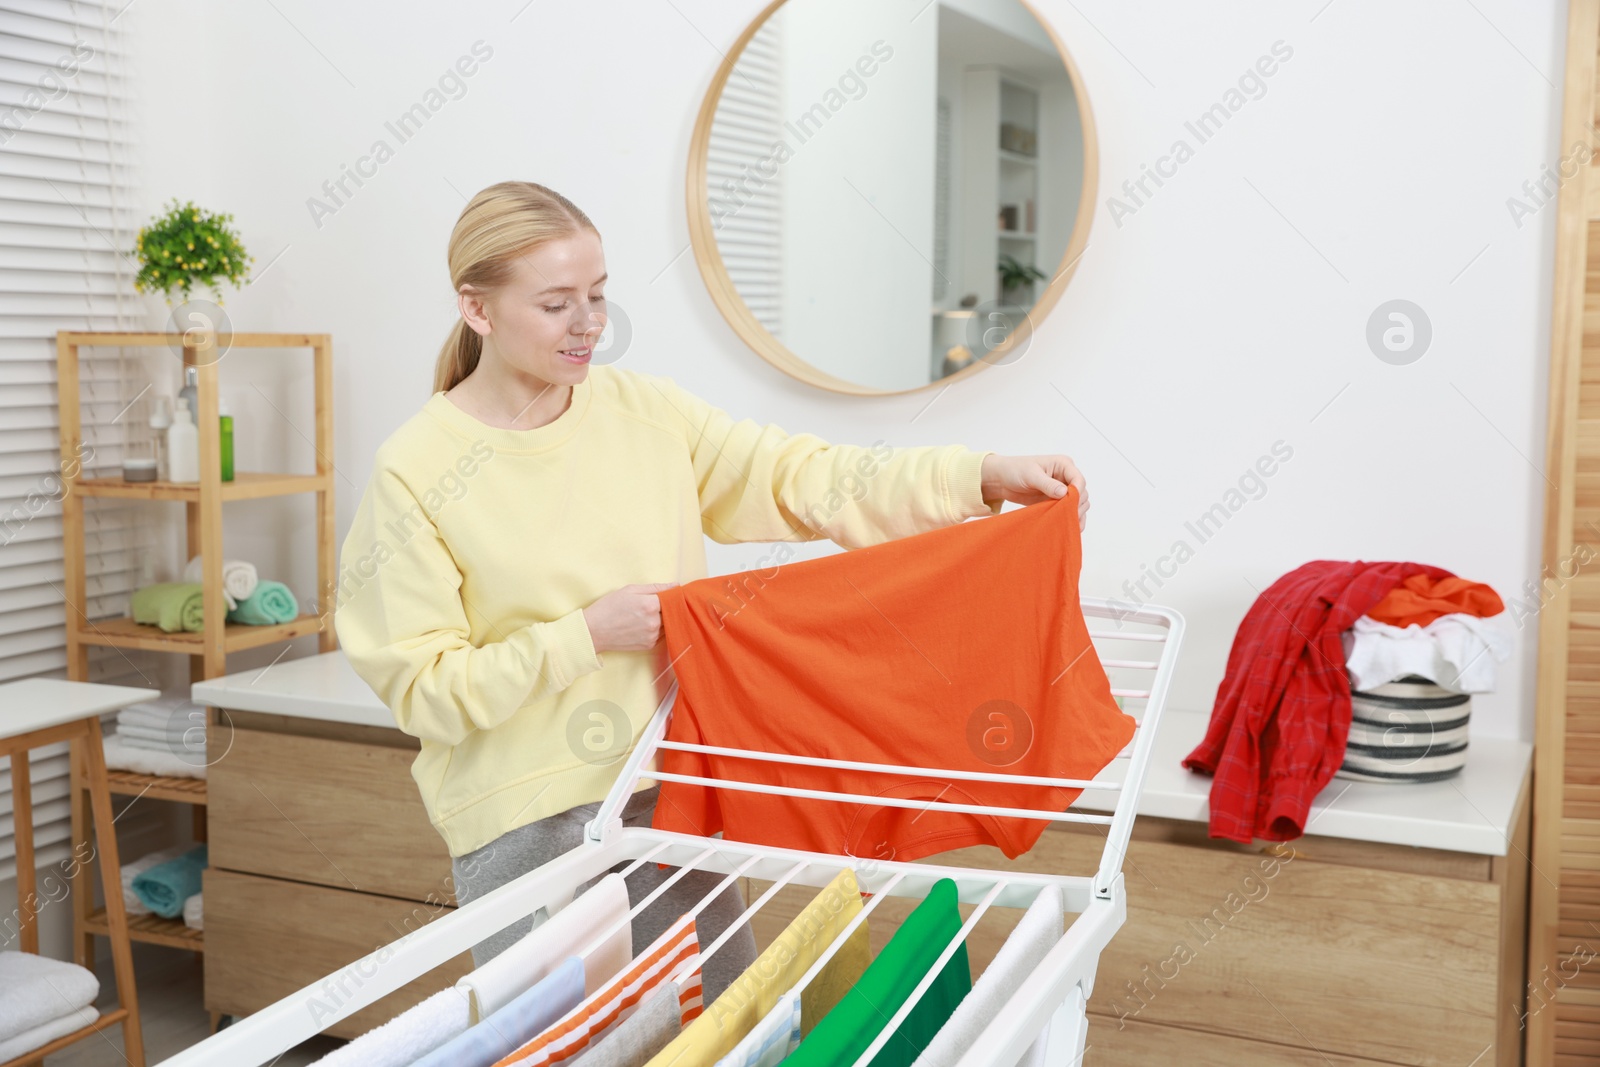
(139, 469)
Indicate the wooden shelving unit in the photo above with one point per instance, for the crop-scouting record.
(208, 649)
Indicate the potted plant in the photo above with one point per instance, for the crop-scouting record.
(1016, 280)
(188, 248)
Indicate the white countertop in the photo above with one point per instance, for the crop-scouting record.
(1468, 813)
(317, 687)
(40, 703)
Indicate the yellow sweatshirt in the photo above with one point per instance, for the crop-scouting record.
(475, 549)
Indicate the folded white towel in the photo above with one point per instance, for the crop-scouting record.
(35, 990)
(238, 578)
(43, 1034)
(192, 914)
(133, 868)
(175, 719)
(410, 1035)
(125, 757)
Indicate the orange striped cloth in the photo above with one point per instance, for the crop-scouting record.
(613, 1002)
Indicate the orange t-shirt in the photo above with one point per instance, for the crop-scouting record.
(962, 648)
(1421, 599)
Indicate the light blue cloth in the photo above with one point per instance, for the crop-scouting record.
(771, 1040)
(271, 603)
(532, 1013)
(164, 887)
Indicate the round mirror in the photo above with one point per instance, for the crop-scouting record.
(886, 195)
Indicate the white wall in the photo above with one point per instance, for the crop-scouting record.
(1225, 314)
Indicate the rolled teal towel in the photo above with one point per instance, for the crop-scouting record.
(270, 604)
(173, 606)
(164, 887)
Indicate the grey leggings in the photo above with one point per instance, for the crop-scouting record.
(519, 851)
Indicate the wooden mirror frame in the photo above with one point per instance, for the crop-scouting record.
(709, 257)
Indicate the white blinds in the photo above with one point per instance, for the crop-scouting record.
(66, 243)
(745, 176)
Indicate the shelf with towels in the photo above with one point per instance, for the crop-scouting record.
(125, 633)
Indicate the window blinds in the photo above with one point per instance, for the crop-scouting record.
(66, 243)
(744, 174)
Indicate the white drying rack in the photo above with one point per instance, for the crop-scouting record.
(1055, 994)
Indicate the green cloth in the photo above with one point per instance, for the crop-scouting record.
(846, 1031)
(270, 604)
(173, 606)
(164, 887)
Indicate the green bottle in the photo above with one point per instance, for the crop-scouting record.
(226, 437)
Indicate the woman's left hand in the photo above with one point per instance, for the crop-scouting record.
(1030, 479)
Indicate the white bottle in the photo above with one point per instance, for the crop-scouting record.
(183, 445)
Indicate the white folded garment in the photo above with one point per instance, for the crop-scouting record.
(191, 750)
(176, 718)
(192, 917)
(35, 990)
(1457, 652)
(604, 906)
(41, 1035)
(133, 868)
(238, 578)
(124, 757)
(1036, 933)
(407, 1037)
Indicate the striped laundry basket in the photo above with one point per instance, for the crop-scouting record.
(1409, 730)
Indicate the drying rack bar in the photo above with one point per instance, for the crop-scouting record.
(259, 1038)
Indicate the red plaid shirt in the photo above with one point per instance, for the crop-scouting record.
(1282, 715)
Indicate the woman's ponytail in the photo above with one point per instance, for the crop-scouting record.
(458, 358)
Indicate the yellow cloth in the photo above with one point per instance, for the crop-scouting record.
(474, 550)
(744, 1003)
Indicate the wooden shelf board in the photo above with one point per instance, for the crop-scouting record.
(125, 633)
(246, 485)
(151, 929)
(111, 338)
(156, 787)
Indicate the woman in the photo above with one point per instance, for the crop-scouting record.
(498, 587)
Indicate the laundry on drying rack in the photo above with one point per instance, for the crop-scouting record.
(849, 1030)
(775, 1036)
(960, 648)
(523, 1018)
(643, 1034)
(673, 957)
(415, 1032)
(603, 907)
(754, 993)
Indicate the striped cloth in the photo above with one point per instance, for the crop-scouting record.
(601, 1012)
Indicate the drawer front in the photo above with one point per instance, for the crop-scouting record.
(332, 812)
(267, 938)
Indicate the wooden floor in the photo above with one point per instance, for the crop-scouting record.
(170, 984)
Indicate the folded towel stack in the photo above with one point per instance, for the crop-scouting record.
(191, 913)
(170, 725)
(42, 999)
(121, 756)
(166, 886)
(238, 579)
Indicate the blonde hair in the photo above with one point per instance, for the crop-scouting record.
(497, 226)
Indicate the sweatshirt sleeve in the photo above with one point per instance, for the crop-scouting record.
(403, 625)
(758, 483)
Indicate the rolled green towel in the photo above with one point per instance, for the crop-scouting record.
(164, 887)
(270, 604)
(173, 606)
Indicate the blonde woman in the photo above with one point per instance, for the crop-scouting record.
(498, 586)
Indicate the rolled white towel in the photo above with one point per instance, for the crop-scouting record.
(133, 868)
(41, 1035)
(35, 990)
(238, 578)
(192, 915)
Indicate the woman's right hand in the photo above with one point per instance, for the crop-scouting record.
(626, 619)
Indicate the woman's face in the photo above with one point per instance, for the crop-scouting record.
(545, 322)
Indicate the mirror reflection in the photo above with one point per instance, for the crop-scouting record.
(891, 189)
